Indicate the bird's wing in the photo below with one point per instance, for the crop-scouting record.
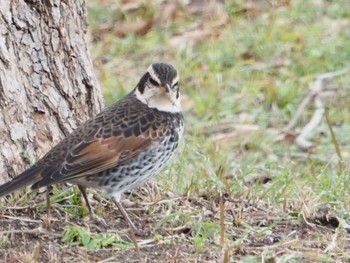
(91, 157)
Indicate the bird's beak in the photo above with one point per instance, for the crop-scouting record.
(167, 88)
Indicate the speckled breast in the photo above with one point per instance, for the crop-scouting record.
(147, 163)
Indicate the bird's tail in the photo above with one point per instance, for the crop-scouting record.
(28, 177)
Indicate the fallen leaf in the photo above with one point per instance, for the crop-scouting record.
(130, 6)
(167, 13)
(189, 39)
(135, 27)
(287, 137)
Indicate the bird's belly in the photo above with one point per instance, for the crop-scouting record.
(131, 174)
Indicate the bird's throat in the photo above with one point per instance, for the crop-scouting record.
(162, 103)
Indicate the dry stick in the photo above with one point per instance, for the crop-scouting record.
(303, 138)
(21, 219)
(226, 258)
(301, 109)
(19, 207)
(317, 87)
(34, 231)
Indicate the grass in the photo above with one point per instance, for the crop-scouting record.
(241, 84)
(76, 235)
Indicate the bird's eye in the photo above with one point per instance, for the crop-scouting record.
(175, 84)
(153, 82)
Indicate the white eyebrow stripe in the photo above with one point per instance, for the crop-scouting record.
(175, 80)
(153, 74)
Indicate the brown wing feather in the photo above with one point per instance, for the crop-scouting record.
(112, 137)
(96, 156)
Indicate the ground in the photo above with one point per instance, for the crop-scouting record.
(262, 172)
(260, 229)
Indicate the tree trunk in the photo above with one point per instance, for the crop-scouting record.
(47, 83)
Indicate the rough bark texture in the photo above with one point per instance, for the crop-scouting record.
(47, 83)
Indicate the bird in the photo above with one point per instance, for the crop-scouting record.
(118, 149)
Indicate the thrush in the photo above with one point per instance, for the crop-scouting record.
(121, 147)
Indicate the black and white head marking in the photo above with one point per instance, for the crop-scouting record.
(158, 88)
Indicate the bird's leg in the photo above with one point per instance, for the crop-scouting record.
(126, 216)
(133, 228)
(93, 216)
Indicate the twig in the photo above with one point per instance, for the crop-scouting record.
(301, 109)
(14, 208)
(318, 87)
(302, 139)
(226, 257)
(21, 218)
(34, 231)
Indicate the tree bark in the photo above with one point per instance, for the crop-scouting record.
(47, 83)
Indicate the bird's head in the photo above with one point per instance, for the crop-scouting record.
(158, 88)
